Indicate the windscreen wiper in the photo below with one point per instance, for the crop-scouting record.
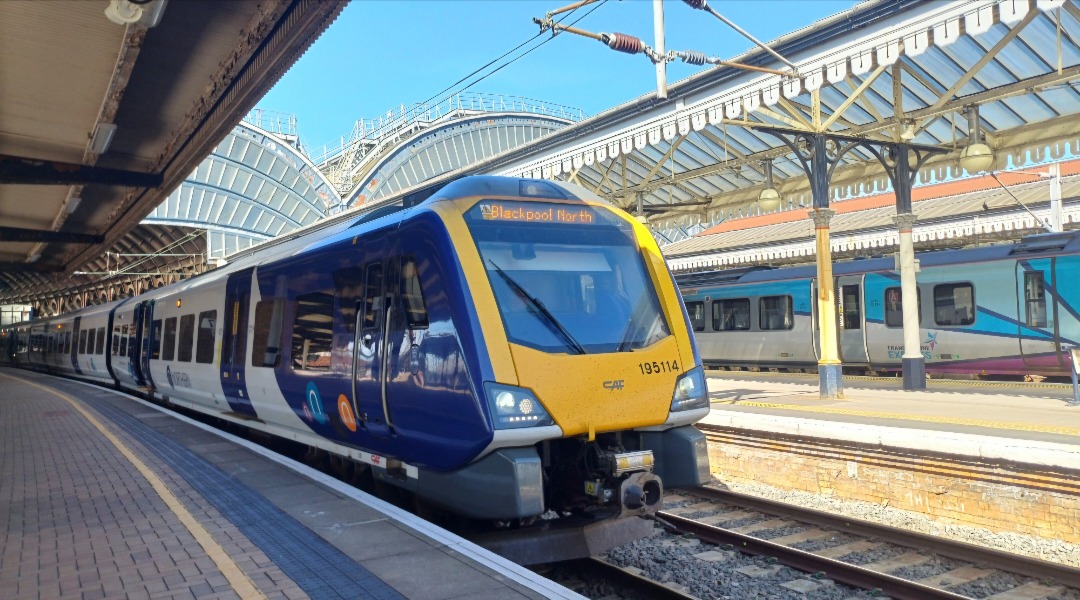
(627, 341)
(539, 307)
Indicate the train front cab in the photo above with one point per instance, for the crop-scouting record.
(589, 349)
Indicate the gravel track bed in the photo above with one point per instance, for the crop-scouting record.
(770, 534)
(936, 566)
(838, 539)
(990, 585)
(742, 522)
(863, 558)
(1046, 549)
(700, 514)
(670, 558)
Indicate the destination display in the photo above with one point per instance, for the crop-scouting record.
(532, 212)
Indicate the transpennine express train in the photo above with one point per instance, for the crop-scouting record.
(996, 310)
(504, 348)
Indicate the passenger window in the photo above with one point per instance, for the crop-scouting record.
(1035, 299)
(204, 352)
(894, 306)
(123, 341)
(851, 318)
(372, 300)
(349, 289)
(99, 347)
(774, 312)
(266, 343)
(90, 335)
(731, 315)
(82, 342)
(412, 296)
(169, 351)
(187, 338)
(695, 309)
(954, 304)
(116, 341)
(312, 337)
(155, 340)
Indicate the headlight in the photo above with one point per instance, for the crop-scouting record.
(690, 391)
(514, 407)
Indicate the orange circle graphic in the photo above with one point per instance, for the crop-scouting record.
(345, 412)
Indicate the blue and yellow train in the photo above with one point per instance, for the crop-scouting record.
(1010, 310)
(504, 348)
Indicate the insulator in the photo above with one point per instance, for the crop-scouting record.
(625, 43)
(693, 57)
(699, 4)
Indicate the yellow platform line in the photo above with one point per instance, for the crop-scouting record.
(907, 417)
(241, 583)
(975, 383)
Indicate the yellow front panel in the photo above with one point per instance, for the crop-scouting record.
(603, 392)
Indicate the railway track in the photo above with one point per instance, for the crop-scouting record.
(880, 559)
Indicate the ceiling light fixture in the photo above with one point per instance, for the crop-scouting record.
(73, 203)
(128, 12)
(103, 135)
(768, 198)
(976, 157)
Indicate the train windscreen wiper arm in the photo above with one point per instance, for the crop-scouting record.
(540, 309)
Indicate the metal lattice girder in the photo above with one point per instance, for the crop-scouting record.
(253, 185)
(886, 71)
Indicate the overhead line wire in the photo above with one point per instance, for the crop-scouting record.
(507, 53)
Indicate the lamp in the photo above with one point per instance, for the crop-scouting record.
(103, 135)
(127, 12)
(768, 198)
(73, 203)
(976, 157)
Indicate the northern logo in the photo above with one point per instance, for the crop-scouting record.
(614, 384)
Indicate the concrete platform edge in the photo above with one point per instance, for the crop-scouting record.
(512, 571)
(1048, 454)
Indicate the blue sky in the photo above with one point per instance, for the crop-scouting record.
(380, 54)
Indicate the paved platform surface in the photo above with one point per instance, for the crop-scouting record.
(104, 496)
(1035, 412)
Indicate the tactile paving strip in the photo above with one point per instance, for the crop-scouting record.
(319, 568)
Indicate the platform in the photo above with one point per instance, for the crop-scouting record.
(1002, 457)
(106, 496)
(1024, 411)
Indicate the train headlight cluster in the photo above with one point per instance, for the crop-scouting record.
(514, 407)
(690, 391)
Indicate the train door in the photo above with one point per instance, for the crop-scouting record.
(73, 352)
(144, 317)
(234, 342)
(850, 320)
(379, 332)
(1037, 307)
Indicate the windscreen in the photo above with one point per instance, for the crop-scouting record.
(567, 278)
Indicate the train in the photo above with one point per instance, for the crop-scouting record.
(1002, 310)
(502, 349)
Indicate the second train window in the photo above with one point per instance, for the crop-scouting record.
(775, 313)
(731, 315)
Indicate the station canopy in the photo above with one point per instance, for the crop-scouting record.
(109, 105)
(886, 70)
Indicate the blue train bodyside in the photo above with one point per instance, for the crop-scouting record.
(998, 310)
